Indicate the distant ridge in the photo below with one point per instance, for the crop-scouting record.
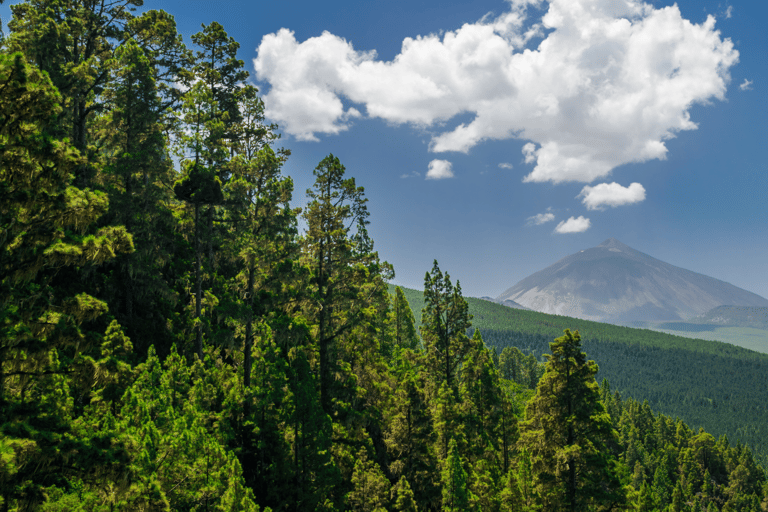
(617, 284)
(508, 303)
(734, 316)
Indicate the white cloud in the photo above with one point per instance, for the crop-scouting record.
(610, 82)
(541, 218)
(729, 12)
(611, 194)
(505, 165)
(573, 225)
(439, 169)
(746, 85)
(413, 174)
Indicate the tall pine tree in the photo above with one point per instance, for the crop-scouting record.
(570, 436)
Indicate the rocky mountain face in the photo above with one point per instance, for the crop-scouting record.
(616, 284)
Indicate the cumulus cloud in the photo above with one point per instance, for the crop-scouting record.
(505, 165)
(541, 218)
(573, 225)
(611, 194)
(439, 169)
(746, 85)
(609, 83)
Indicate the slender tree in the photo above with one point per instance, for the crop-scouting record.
(348, 281)
(445, 320)
(570, 436)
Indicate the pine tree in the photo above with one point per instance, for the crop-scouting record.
(73, 42)
(137, 175)
(371, 489)
(347, 285)
(569, 434)
(199, 185)
(445, 320)
(405, 325)
(409, 433)
(402, 497)
(456, 494)
(45, 357)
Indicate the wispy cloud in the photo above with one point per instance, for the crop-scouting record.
(413, 174)
(746, 85)
(573, 225)
(505, 165)
(625, 73)
(611, 194)
(729, 12)
(540, 218)
(439, 170)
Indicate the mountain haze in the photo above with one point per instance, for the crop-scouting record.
(617, 284)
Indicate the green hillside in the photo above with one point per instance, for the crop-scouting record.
(706, 383)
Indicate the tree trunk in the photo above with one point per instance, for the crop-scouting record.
(198, 284)
(247, 349)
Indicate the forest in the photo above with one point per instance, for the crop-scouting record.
(706, 383)
(170, 340)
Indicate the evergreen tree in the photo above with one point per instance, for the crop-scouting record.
(409, 432)
(371, 489)
(402, 497)
(73, 42)
(347, 277)
(456, 494)
(569, 434)
(137, 176)
(46, 360)
(405, 325)
(445, 320)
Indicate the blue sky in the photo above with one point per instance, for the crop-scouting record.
(548, 126)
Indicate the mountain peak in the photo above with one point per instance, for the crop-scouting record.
(612, 243)
(616, 283)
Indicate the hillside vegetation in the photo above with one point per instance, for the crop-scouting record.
(706, 383)
(171, 340)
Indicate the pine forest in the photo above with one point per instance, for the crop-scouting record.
(175, 336)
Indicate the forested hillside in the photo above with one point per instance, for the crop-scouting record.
(171, 341)
(706, 383)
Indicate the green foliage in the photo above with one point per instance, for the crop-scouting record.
(456, 493)
(445, 319)
(645, 364)
(404, 323)
(570, 436)
(298, 384)
(402, 497)
(371, 489)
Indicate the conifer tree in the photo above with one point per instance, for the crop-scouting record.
(371, 489)
(137, 175)
(199, 185)
(569, 434)
(44, 353)
(73, 41)
(445, 320)
(347, 282)
(402, 497)
(456, 493)
(405, 324)
(409, 433)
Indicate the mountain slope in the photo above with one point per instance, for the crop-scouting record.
(617, 284)
(734, 316)
(715, 385)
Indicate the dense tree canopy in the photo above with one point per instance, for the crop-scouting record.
(170, 339)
